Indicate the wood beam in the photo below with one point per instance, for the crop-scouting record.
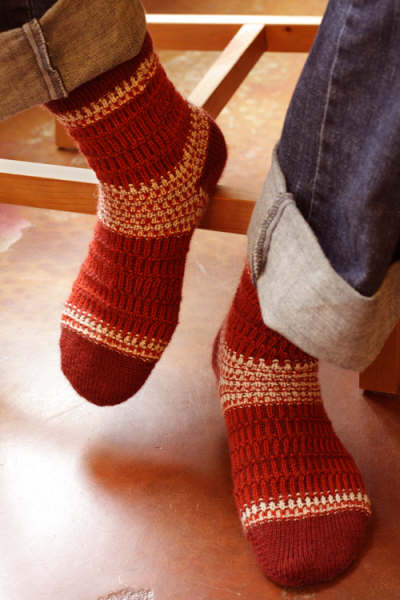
(190, 36)
(290, 38)
(229, 70)
(221, 20)
(75, 189)
(62, 138)
(213, 32)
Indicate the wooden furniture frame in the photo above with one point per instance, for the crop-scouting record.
(241, 40)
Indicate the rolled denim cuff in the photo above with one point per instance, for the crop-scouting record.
(301, 295)
(70, 44)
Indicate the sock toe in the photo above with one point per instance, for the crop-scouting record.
(100, 375)
(307, 551)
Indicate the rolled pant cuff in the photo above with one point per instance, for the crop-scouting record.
(70, 44)
(301, 295)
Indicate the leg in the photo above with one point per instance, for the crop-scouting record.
(321, 246)
(344, 124)
(326, 216)
(157, 159)
(300, 496)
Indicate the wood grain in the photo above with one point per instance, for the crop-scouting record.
(213, 32)
(63, 140)
(230, 69)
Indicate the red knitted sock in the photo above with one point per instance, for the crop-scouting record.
(300, 496)
(158, 159)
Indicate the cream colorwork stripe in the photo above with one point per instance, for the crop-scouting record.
(113, 100)
(304, 507)
(250, 382)
(171, 205)
(97, 330)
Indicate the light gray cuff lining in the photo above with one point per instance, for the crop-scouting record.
(301, 295)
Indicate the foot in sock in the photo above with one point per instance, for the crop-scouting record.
(157, 159)
(299, 494)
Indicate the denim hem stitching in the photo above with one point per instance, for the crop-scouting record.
(260, 252)
(52, 78)
(326, 107)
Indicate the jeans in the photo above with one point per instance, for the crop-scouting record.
(324, 239)
(344, 123)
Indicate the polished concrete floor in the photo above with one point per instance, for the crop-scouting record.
(138, 497)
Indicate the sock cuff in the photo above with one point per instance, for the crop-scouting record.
(248, 338)
(100, 86)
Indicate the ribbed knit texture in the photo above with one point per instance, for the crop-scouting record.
(157, 159)
(300, 496)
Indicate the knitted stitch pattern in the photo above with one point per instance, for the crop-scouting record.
(157, 159)
(300, 496)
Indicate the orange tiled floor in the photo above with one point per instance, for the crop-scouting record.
(139, 496)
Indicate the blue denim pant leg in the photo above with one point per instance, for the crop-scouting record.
(340, 147)
(324, 234)
(14, 13)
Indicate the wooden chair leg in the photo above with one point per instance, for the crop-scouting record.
(63, 140)
(383, 375)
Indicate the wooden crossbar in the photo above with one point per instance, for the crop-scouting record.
(75, 189)
(213, 32)
(229, 70)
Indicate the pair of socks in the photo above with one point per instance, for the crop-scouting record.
(157, 159)
(299, 494)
